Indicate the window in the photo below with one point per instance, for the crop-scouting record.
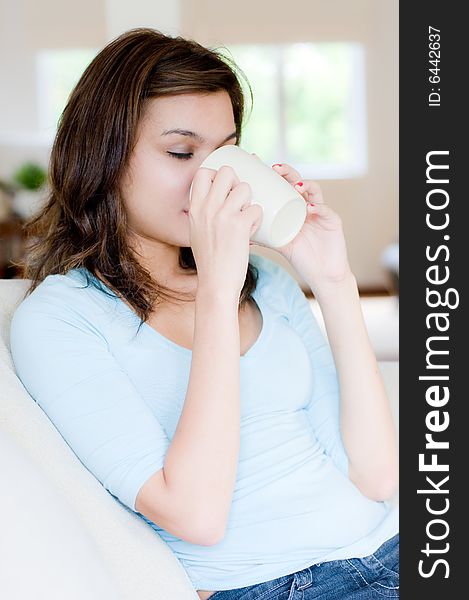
(309, 102)
(58, 72)
(309, 106)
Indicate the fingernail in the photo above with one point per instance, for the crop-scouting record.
(300, 183)
(277, 165)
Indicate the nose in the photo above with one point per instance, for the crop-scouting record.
(190, 191)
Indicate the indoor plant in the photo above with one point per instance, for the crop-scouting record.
(29, 182)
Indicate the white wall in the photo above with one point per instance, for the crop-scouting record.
(163, 15)
(368, 205)
(27, 26)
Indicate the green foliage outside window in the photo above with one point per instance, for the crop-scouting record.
(303, 101)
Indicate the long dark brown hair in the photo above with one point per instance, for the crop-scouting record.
(84, 223)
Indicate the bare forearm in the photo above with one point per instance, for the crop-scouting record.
(202, 459)
(366, 421)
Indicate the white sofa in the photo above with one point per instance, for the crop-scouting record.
(62, 535)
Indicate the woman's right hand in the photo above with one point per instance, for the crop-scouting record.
(222, 221)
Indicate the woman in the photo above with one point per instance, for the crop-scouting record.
(188, 375)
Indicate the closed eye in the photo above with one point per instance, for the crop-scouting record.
(181, 155)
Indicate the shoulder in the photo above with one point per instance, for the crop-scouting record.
(273, 275)
(69, 298)
(275, 283)
(271, 272)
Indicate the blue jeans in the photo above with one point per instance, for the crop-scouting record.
(374, 576)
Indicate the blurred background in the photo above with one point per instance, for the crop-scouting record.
(324, 75)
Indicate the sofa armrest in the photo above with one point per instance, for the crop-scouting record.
(45, 552)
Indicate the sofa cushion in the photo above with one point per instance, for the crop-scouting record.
(45, 553)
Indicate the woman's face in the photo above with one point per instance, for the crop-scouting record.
(175, 135)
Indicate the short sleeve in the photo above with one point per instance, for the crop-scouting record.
(323, 407)
(67, 367)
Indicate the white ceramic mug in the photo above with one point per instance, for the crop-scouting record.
(284, 209)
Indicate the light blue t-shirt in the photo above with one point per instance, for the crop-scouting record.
(115, 393)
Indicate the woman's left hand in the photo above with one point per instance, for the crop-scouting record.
(318, 252)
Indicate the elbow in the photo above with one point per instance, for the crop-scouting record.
(380, 487)
(207, 537)
(213, 538)
(382, 490)
(211, 524)
(207, 533)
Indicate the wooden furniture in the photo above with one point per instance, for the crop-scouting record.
(12, 247)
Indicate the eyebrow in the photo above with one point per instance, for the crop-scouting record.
(196, 136)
